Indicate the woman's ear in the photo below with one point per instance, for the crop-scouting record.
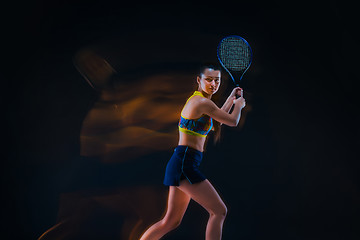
(198, 79)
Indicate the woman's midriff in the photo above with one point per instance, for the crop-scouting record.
(192, 141)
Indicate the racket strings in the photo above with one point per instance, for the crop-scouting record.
(235, 54)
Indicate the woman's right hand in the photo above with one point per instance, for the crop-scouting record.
(236, 92)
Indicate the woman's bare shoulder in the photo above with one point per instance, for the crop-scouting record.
(198, 100)
(195, 106)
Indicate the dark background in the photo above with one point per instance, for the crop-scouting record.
(293, 173)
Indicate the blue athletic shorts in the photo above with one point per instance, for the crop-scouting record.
(184, 164)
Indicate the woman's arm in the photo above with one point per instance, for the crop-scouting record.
(228, 104)
(209, 108)
(230, 100)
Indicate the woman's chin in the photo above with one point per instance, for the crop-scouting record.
(212, 91)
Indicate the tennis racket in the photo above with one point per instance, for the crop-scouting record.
(235, 55)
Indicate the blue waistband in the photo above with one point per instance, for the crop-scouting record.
(181, 148)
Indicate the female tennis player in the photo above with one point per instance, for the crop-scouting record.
(182, 175)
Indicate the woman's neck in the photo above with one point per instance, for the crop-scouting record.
(205, 94)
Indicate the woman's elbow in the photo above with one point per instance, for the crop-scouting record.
(232, 123)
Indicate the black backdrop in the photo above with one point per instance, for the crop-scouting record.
(297, 177)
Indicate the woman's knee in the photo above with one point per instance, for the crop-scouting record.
(220, 210)
(170, 224)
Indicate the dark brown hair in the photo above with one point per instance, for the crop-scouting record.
(205, 66)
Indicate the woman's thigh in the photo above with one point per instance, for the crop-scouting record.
(178, 202)
(205, 194)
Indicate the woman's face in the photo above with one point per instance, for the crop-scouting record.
(209, 81)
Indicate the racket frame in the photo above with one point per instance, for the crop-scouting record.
(235, 74)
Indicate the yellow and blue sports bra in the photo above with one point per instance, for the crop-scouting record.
(198, 127)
